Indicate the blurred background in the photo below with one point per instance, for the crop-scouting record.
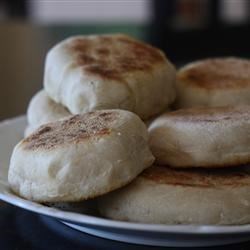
(185, 29)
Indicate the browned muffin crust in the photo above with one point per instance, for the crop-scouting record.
(207, 114)
(218, 73)
(207, 178)
(71, 130)
(113, 56)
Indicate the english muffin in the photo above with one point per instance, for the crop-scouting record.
(162, 195)
(214, 82)
(86, 73)
(42, 109)
(80, 157)
(202, 137)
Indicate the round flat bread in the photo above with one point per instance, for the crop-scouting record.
(86, 73)
(214, 82)
(80, 157)
(42, 109)
(163, 195)
(202, 137)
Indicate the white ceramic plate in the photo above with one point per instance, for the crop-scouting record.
(11, 131)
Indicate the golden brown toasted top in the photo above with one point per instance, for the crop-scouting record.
(112, 56)
(74, 129)
(206, 178)
(219, 73)
(203, 114)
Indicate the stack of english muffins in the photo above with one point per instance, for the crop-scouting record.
(87, 135)
(87, 73)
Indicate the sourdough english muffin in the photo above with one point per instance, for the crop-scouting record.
(163, 195)
(42, 110)
(86, 73)
(214, 82)
(202, 137)
(80, 157)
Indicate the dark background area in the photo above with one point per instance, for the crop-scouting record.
(206, 35)
(214, 37)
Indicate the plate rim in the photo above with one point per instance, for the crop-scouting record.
(92, 220)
